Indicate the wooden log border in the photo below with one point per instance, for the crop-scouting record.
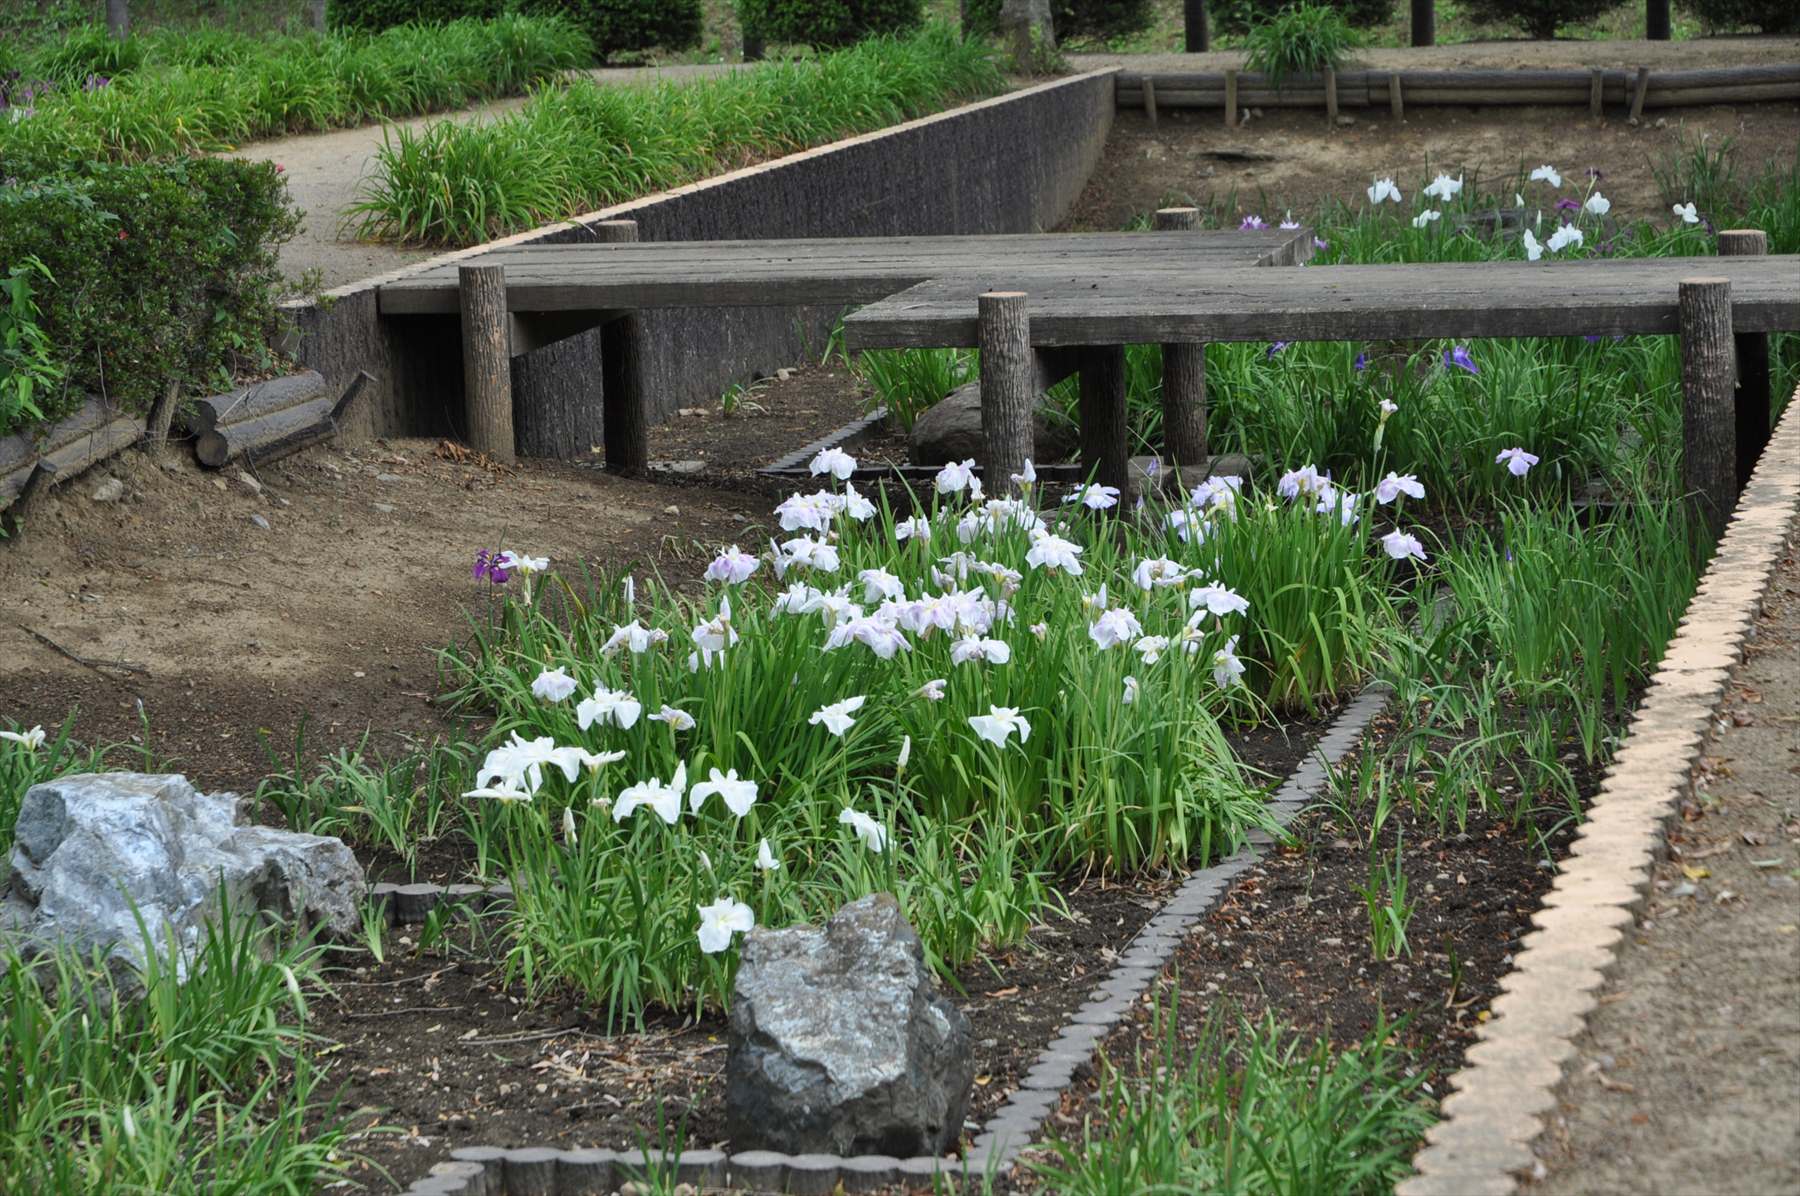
(1594, 88)
(1508, 1085)
(535, 1170)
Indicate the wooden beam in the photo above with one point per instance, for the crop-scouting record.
(1751, 351)
(1008, 386)
(1105, 453)
(1150, 101)
(1331, 97)
(1184, 377)
(1708, 422)
(487, 361)
(1596, 91)
(1639, 86)
(1396, 102)
(625, 424)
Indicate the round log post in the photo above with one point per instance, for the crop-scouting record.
(1424, 22)
(625, 427)
(1103, 430)
(1184, 377)
(1596, 92)
(1708, 424)
(1656, 20)
(1640, 86)
(1008, 386)
(1231, 94)
(1331, 98)
(1197, 38)
(1754, 383)
(1150, 99)
(487, 360)
(1396, 101)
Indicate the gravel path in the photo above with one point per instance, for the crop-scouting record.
(1688, 1081)
(325, 172)
(1686, 55)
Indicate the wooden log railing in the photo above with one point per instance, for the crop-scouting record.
(1594, 88)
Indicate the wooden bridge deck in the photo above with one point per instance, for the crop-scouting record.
(633, 276)
(1403, 302)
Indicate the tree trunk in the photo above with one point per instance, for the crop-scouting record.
(1026, 30)
(1197, 38)
(315, 15)
(1184, 378)
(118, 18)
(1008, 386)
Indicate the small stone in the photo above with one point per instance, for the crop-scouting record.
(386, 508)
(671, 509)
(782, 375)
(254, 486)
(389, 477)
(219, 484)
(259, 521)
(679, 467)
(1345, 119)
(108, 489)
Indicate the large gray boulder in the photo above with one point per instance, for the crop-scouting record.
(841, 1043)
(950, 430)
(90, 847)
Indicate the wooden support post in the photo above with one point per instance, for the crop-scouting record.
(1638, 88)
(1150, 99)
(1596, 91)
(1331, 99)
(1754, 383)
(1008, 386)
(1197, 37)
(37, 484)
(1104, 452)
(1184, 378)
(487, 360)
(1231, 93)
(625, 424)
(1424, 22)
(1656, 20)
(162, 415)
(559, 395)
(1708, 425)
(1396, 102)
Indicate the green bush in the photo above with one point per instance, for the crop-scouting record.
(615, 26)
(155, 272)
(1301, 40)
(1540, 18)
(827, 22)
(1239, 16)
(1073, 20)
(1770, 16)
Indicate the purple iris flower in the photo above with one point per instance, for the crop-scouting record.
(489, 568)
(1459, 357)
(1362, 362)
(1253, 223)
(1568, 205)
(1275, 348)
(1321, 244)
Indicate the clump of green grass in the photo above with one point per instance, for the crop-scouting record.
(24, 762)
(201, 92)
(1253, 1107)
(1302, 39)
(909, 382)
(584, 146)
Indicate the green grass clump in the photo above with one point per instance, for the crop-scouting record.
(1253, 1109)
(584, 146)
(1302, 39)
(200, 92)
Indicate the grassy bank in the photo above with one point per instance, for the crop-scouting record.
(584, 146)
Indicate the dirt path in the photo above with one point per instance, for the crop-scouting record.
(1685, 55)
(1688, 1081)
(325, 172)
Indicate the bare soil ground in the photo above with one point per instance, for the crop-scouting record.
(1287, 160)
(1688, 1079)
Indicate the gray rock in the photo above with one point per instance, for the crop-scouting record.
(107, 489)
(841, 1043)
(951, 431)
(259, 521)
(90, 847)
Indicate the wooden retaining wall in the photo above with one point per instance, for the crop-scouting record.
(1594, 89)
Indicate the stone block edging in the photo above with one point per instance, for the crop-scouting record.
(544, 1171)
(1498, 1101)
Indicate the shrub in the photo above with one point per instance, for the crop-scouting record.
(1240, 16)
(1301, 40)
(1770, 16)
(616, 26)
(1073, 20)
(827, 22)
(156, 271)
(1539, 18)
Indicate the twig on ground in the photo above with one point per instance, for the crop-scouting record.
(96, 665)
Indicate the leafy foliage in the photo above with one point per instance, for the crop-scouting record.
(827, 22)
(615, 26)
(1770, 16)
(1240, 16)
(1072, 20)
(1302, 39)
(1538, 18)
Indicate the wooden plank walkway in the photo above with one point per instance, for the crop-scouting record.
(634, 276)
(1403, 302)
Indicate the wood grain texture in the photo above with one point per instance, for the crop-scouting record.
(1105, 452)
(23, 448)
(487, 360)
(1755, 384)
(202, 415)
(624, 387)
(230, 442)
(1008, 387)
(1184, 377)
(1405, 302)
(1708, 421)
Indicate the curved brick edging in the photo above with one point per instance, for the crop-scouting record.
(545, 1171)
(1509, 1081)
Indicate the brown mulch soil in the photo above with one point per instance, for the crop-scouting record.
(439, 1052)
